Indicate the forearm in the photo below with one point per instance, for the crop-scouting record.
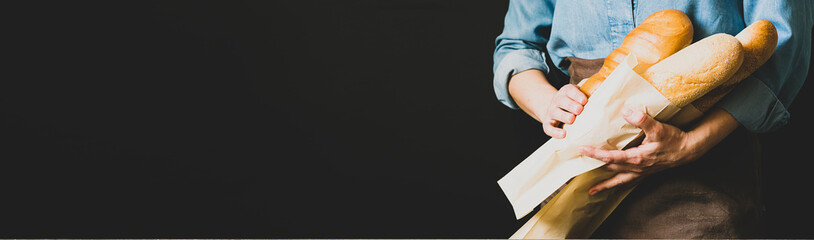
(712, 129)
(532, 92)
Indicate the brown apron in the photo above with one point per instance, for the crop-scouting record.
(717, 196)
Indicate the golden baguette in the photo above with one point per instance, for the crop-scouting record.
(695, 70)
(660, 35)
(759, 41)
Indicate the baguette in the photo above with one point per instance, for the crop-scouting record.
(695, 70)
(660, 35)
(759, 41)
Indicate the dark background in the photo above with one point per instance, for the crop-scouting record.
(278, 119)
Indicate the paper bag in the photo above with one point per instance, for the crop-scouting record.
(572, 213)
(600, 125)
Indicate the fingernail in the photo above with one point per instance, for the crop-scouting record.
(627, 112)
(592, 192)
(561, 133)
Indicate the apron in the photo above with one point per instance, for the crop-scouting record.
(716, 196)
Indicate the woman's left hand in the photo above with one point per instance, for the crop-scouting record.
(664, 146)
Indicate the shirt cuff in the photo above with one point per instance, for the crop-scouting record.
(755, 106)
(513, 63)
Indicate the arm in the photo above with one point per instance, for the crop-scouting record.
(521, 45)
(531, 90)
(520, 68)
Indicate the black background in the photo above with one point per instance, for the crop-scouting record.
(278, 119)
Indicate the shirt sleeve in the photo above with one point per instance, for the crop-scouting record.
(521, 46)
(760, 101)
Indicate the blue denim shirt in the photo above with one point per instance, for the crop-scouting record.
(591, 29)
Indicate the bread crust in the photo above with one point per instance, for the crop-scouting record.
(660, 35)
(695, 70)
(759, 40)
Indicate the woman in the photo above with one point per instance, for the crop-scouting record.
(702, 181)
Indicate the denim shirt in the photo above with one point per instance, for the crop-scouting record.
(591, 29)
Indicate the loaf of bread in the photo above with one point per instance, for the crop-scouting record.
(759, 41)
(660, 35)
(695, 70)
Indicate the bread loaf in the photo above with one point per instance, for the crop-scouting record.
(696, 69)
(659, 36)
(759, 41)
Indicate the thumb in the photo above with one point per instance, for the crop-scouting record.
(643, 121)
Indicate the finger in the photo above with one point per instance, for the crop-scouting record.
(569, 105)
(615, 181)
(614, 167)
(650, 126)
(632, 156)
(573, 92)
(562, 116)
(551, 129)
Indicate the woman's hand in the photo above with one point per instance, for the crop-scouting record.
(563, 108)
(664, 146)
(539, 99)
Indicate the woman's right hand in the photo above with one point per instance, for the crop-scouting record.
(563, 108)
(551, 106)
